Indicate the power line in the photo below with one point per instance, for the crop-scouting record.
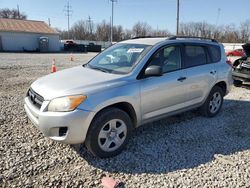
(68, 12)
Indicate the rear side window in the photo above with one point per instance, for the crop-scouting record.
(194, 55)
(215, 53)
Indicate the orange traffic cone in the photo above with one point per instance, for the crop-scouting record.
(71, 57)
(53, 67)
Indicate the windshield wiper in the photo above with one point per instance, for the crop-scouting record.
(100, 69)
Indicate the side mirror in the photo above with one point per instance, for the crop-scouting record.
(153, 70)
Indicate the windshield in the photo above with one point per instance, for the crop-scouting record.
(119, 59)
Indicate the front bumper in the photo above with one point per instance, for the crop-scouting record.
(241, 76)
(67, 127)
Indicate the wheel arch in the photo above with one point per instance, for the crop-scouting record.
(223, 86)
(126, 107)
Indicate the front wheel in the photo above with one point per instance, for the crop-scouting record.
(237, 83)
(213, 103)
(108, 133)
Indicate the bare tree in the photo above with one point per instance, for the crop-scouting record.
(141, 29)
(245, 31)
(12, 13)
(118, 33)
(127, 34)
(103, 31)
(81, 31)
(163, 33)
(230, 34)
(227, 33)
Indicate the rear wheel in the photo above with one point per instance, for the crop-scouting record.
(213, 103)
(108, 133)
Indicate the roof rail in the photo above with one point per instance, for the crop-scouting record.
(190, 37)
(149, 37)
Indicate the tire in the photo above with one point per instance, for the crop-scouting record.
(108, 133)
(237, 83)
(213, 103)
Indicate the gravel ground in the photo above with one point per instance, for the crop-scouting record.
(186, 150)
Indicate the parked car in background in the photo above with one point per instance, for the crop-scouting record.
(129, 84)
(237, 52)
(70, 45)
(70, 42)
(241, 67)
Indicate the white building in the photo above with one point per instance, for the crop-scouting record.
(24, 35)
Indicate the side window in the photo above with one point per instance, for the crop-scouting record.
(194, 56)
(169, 58)
(215, 53)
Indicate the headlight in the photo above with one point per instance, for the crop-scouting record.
(65, 104)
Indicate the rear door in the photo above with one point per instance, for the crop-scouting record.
(201, 72)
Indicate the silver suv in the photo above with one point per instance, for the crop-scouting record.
(129, 84)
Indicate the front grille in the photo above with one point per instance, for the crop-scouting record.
(245, 70)
(245, 65)
(35, 98)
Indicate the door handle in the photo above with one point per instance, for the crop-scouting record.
(181, 79)
(212, 72)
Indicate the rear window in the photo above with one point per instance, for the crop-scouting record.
(195, 56)
(215, 53)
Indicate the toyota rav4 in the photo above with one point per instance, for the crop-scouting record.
(127, 85)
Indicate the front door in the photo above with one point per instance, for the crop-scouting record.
(166, 93)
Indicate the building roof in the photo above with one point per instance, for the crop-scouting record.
(27, 26)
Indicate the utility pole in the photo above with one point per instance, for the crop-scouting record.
(111, 32)
(218, 16)
(112, 20)
(90, 25)
(49, 21)
(68, 12)
(177, 17)
(18, 12)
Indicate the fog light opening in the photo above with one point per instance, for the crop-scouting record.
(63, 131)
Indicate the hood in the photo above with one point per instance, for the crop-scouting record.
(246, 48)
(73, 81)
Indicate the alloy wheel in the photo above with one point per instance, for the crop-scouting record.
(112, 135)
(215, 102)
